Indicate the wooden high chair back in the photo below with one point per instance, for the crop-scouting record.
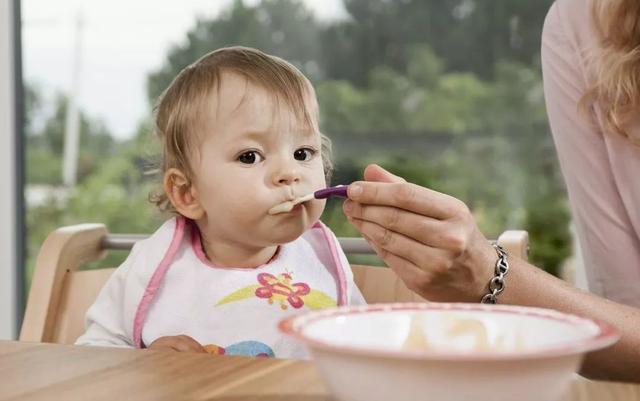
(60, 293)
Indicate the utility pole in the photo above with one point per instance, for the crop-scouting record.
(72, 119)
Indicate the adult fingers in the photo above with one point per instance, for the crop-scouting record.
(373, 172)
(425, 257)
(429, 280)
(425, 230)
(410, 274)
(407, 196)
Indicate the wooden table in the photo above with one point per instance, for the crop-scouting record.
(34, 371)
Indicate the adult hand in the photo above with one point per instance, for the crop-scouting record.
(180, 343)
(428, 238)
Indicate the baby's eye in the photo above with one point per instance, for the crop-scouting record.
(304, 154)
(250, 157)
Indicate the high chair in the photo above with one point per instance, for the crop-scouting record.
(60, 293)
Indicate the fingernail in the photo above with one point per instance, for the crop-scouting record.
(355, 190)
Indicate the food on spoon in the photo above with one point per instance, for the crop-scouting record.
(282, 207)
(287, 206)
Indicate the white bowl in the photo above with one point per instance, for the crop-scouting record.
(447, 352)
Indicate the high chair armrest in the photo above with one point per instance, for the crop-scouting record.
(62, 252)
(516, 242)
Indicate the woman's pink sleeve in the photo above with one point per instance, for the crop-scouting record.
(609, 243)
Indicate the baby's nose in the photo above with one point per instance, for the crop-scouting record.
(288, 177)
(286, 170)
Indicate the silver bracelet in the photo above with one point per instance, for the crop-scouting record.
(496, 285)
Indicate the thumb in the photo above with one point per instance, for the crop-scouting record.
(373, 172)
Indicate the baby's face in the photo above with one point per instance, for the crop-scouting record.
(254, 155)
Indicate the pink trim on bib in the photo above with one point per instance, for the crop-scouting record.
(342, 281)
(156, 280)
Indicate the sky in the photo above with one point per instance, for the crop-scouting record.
(122, 41)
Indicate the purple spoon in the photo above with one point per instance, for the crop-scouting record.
(338, 190)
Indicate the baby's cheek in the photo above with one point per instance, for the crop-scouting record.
(243, 210)
(249, 202)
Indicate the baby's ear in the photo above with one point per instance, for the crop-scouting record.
(182, 194)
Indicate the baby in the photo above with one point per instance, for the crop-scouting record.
(239, 132)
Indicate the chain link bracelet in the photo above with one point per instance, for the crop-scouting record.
(496, 285)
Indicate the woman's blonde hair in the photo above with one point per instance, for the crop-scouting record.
(616, 88)
(180, 105)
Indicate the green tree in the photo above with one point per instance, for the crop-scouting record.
(284, 28)
(469, 35)
(115, 194)
(45, 146)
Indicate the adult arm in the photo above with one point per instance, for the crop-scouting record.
(434, 245)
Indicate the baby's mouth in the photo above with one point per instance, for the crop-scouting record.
(287, 206)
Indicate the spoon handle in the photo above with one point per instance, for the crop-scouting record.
(338, 190)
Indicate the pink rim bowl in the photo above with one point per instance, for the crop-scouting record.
(530, 353)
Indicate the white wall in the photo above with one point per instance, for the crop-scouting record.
(7, 175)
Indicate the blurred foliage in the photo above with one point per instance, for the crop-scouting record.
(447, 94)
(45, 146)
(282, 27)
(116, 195)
